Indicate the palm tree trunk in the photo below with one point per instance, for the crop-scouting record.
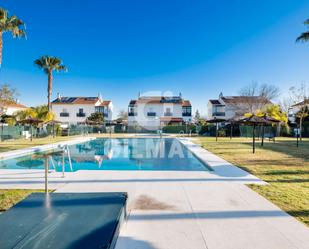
(1, 46)
(49, 90)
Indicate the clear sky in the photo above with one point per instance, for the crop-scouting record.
(121, 47)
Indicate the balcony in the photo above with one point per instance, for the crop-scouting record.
(168, 114)
(151, 114)
(218, 114)
(64, 114)
(80, 114)
(132, 114)
(186, 114)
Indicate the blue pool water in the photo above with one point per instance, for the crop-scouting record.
(116, 154)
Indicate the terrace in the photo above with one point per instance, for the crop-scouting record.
(171, 201)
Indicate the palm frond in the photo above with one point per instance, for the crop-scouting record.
(49, 64)
(304, 37)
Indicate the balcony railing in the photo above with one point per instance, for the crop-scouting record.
(132, 114)
(80, 114)
(186, 114)
(218, 114)
(64, 114)
(151, 114)
(168, 114)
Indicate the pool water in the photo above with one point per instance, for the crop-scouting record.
(116, 154)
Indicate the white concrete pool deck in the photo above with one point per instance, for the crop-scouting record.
(183, 209)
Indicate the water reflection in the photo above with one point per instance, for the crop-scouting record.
(121, 154)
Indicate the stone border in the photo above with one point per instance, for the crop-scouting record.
(219, 166)
(26, 151)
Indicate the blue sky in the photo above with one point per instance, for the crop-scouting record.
(121, 47)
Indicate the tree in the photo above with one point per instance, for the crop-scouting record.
(255, 96)
(96, 117)
(8, 94)
(39, 112)
(10, 24)
(123, 115)
(299, 97)
(197, 116)
(304, 37)
(49, 64)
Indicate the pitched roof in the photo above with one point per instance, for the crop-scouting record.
(186, 103)
(79, 100)
(305, 102)
(11, 104)
(105, 103)
(160, 100)
(132, 102)
(244, 99)
(215, 101)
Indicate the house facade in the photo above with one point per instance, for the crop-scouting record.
(294, 109)
(9, 108)
(154, 112)
(227, 107)
(75, 110)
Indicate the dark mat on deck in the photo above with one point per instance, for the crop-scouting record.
(63, 220)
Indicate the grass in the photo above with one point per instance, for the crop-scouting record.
(284, 166)
(9, 197)
(24, 143)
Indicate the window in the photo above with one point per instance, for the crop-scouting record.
(168, 112)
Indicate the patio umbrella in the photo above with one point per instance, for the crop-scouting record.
(216, 121)
(232, 121)
(254, 121)
(53, 123)
(31, 122)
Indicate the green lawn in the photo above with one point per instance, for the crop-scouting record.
(284, 166)
(9, 197)
(24, 143)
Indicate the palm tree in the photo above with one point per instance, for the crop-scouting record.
(50, 64)
(304, 37)
(11, 24)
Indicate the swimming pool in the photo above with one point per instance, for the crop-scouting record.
(115, 154)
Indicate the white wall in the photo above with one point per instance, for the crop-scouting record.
(154, 122)
(72, 110)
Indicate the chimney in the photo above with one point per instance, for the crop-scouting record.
(58, 96)
(100, 96)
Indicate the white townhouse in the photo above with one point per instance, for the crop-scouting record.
(9, 108)
(294, 109)
(75, 110)
(154, 112)
(227, 107)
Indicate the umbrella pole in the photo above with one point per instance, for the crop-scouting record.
(31, 133)
(216, 131)
(297, 139)
(253, 138)
(262, 143)
(53, 130)
(46, 174)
